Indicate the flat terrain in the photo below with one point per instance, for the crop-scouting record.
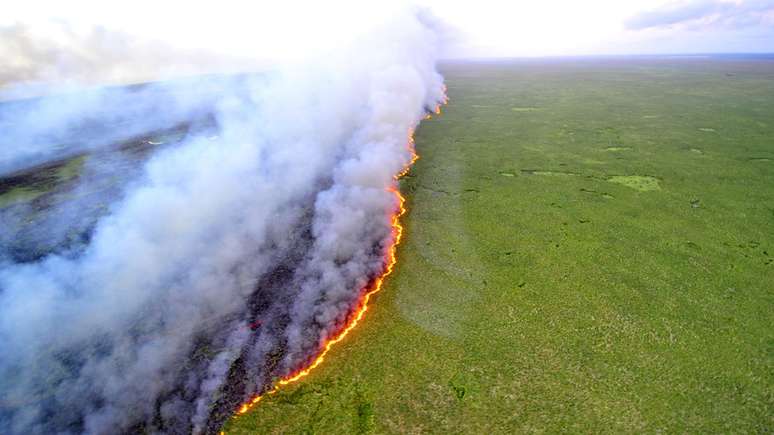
(589, 248)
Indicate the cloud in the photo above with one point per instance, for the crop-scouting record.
(706, 13)
(39, 58)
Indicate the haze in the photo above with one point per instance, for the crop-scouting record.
(484, 28)
(491, 28)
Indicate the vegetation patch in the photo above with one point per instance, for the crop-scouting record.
(458, 389)
(365, 417)
(643, 183)
(19, 194)
(31, 184)
(549, 173)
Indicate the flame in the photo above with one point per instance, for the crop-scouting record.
(407, 167)
(373, 288)
(443, 102)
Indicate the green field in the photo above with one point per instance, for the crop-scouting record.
(589, 247)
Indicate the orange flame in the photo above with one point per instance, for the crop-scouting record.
(407, 167)
(368, 291)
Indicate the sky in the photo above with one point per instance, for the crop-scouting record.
(492, 28)
(90, 40)
(480, 28)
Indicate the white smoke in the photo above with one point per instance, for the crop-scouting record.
(285, 215)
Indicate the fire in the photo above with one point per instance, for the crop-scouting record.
(438, 106)
(370, 290)
(414, 158)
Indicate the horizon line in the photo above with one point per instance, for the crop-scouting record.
(761, 54)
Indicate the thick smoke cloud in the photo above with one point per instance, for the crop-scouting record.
(276, 217)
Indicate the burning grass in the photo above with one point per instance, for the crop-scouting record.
(569, 303)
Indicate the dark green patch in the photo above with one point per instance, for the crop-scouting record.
(459, 390)
(364, 412)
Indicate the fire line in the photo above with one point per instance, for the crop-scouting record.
(370, 290)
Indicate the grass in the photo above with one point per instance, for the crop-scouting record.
(588, 248)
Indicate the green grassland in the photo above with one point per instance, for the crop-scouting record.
(589, 247)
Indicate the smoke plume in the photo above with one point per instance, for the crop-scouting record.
(227, 257)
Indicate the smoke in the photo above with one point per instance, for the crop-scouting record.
(230, 255)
